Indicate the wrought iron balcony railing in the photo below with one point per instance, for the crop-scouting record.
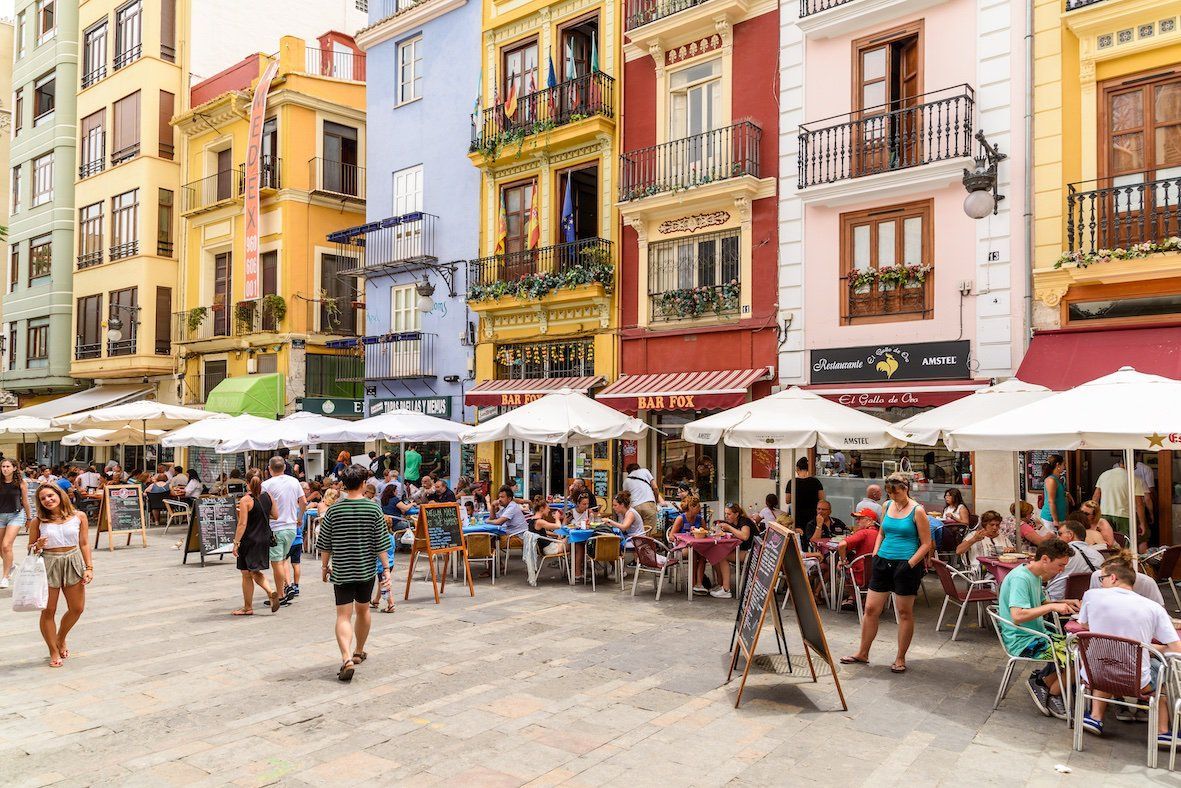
(87, 350)
(195, 325)
(571, 101)
(809, 7)
(124, 347)
(410, 354)
(207, 192)
(1120, 212)
(390, 243)
(269, 172)
(935, 126)
(640, 12)
(715, 155)
(588, 259)
(127, 57)
(338, 178)
(93, 161)
(90, 259)
(336, 64)
(1073, 5)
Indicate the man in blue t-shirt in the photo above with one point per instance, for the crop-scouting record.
(1022, 601)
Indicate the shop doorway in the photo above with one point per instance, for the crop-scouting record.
(535, 469)
(1156, 472)
(702, 468)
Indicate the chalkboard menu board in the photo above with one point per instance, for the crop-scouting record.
(217, 519)
(600, 482)
(125, 507)
(758, 588)
(444, 527)
(804, 602)
(1032, 461)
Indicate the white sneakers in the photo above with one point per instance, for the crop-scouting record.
(719, 592)
(3, 582)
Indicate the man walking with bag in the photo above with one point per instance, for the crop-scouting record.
(642, 487)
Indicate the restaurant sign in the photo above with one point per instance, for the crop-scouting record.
(881, 363)
(337, 407)
(439, 407)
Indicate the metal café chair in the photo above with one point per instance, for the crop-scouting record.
(978, 592)
(1061, 671)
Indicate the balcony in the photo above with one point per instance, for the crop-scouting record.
(880, 303)
(93, 161)
(334, 64)
(826, 19)
(698, 279)
(534, 272)
(127, 57)
(638, 13)
(129, 249)
(809, 7)
(396, 242)
(1122, 212)
(1074, 5)
(84, 351)
(211, 192)
(337, 178)
(261, 316)
(90, 259)
(90, 77)
(888, 138)
(197, 325)
(269, 173)
(496, 130)
(397, 357)
(717, 155)
(124, 154)
(124, 347)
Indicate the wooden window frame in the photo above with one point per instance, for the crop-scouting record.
(560, 67)
(1109, 87)
(508, 49)
(1114, 292)
(502, 205)
(878, 39)
(921, 208)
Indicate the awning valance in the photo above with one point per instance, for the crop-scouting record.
(1067, 358)
(899, 395)
(511, 393)
(681, 390)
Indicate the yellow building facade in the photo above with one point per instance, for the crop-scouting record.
(544, 286)
(1107, 163)
(133, 79)
(311, 186)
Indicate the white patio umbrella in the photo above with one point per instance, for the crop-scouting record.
(24, 426)
(395, 426)
(929, 427)
(209, 433)
(561, 418)
(110, 437)
(1126, 410)
(144, 415)
(294, 430)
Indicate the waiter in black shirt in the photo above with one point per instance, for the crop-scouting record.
(809, 492)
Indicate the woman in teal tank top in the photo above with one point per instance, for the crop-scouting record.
(1056, 502)
(900, 554)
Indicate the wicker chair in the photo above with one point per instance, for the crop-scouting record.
(608, 550)
(481, 550)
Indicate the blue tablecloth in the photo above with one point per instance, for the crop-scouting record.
(484, 528)
(580, 535)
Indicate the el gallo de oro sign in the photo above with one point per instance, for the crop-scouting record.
(884, 363)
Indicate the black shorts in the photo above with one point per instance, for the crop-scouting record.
(296, 553)
(896, 576)
(359, 592)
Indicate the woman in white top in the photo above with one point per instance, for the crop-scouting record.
(955, 511)
(58, 533)
(579, 517)
(629, 520)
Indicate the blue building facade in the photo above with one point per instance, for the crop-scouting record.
(423, 204)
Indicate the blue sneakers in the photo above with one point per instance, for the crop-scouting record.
(1094, 726)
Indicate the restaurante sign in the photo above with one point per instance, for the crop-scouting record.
(881, 363)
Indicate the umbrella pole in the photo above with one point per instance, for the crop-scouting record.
(794, 504)
(1020, 543)
(1130, 467)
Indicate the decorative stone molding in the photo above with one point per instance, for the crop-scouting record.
(1051, 295)
(693, 49)
(697, 221)
(640, 225)
(742, 204)
(657, 53)
(726, 31)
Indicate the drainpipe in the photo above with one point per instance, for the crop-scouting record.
(1028, 167)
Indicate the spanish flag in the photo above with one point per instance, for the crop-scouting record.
(501, 226)
(510, 98)
(534, 220)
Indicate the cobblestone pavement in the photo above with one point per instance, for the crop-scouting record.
(541, 686)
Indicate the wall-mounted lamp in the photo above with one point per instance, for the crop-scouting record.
(425, 292)
(981, 181)
(115, 324)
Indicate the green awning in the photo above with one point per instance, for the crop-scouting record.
(259, 395)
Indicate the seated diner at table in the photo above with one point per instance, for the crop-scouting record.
(546, 521)
(1093, 538)
(629, 520)
(954, 509)
(1116, 609)
(689, 519)
(1022, 601)
(770, 512)
(509, 513)
(580, 515)
(1033, 531)
(1143, 585)
(417, 494)
(1084, 559)
(1098, 523)
(742, 528)
(825, 526)
(987, 540)
(858, 543)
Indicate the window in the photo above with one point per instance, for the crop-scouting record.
(21, 34)
(46, 20)
(410, 70)
(124, 305)
(90, 235)
(125, 224)
(93, 156)
(340, 159)
(561, 359)
(14, 267)
(42, 179)
(269, 165)
(695, 101)
(18, 112)
(125, 128)
(166, 146)
(583, 183)
(89, 327)
(517, 201)
(164, 244)
(168, 30)
(886, 264)
(337, 315)
(213, 373)
(163, 321)
(706, 266)
(579, 45)
(520, 71)
(94, 54)
(37, 343)
(44, 97)
(222, 289)
(16, 189)
(128, 34)
(269, 263)
(408, 190)
(40, 259)
(12, 345)
(334, 375)
(404, 314)
(887, 79)
(266, 363)
(225, 174)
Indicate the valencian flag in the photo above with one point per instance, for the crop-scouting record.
(572, 88)
(534, 220)
(501, 226)
(568, 213)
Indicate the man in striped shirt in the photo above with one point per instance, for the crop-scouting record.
(353, 537)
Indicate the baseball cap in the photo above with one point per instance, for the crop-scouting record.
(865, 511)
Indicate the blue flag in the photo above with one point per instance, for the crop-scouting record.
(551, 80)
(568, 214)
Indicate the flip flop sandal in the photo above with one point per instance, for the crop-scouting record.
(389, 609)
(55, 663)
(65, 652)
(275, 601)
(897, 668)
(373, 605)
(360, 657)
(346, 671)
(241, 612)
(853, 661)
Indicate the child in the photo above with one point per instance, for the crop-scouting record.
(382, 593)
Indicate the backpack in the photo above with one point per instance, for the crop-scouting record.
(600, 529)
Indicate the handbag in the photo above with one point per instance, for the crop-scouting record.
(30, 592)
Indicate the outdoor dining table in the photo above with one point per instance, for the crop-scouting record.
(713, 549)
(829, 548)
(1073, 626)
(998, 568)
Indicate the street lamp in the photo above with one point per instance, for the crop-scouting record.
(115, 324)
(425, 292)
(981, 181)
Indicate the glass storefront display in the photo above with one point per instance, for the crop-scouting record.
(678, 460)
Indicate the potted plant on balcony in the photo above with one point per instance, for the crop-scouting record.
(244, 315)
(331, 306)
(274, 307)
(195, 318)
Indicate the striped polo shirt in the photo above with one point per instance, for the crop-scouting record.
(353, 531)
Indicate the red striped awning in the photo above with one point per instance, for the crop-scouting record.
(511, 393)
(681, 390)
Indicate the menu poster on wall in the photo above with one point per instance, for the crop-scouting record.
(631, 450)
(600, 481)
(763, 463)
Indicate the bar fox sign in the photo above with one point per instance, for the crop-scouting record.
(882, 363)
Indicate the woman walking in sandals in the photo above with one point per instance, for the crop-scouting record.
(898, 568)
(59, 533)
(252, 545)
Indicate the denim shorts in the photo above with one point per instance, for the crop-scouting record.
(13, 519)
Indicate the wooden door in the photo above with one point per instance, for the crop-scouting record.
(518, 199)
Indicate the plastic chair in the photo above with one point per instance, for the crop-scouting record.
(978, 593)
(480, 550)
(654, 558)
(608, 550)
(1111, 665)
(1167, 568)
(1173, 682)
(1077, 584)
(178, 512)
(949, 539)
(1061, 671)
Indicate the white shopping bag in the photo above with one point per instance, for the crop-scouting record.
(30, 592)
